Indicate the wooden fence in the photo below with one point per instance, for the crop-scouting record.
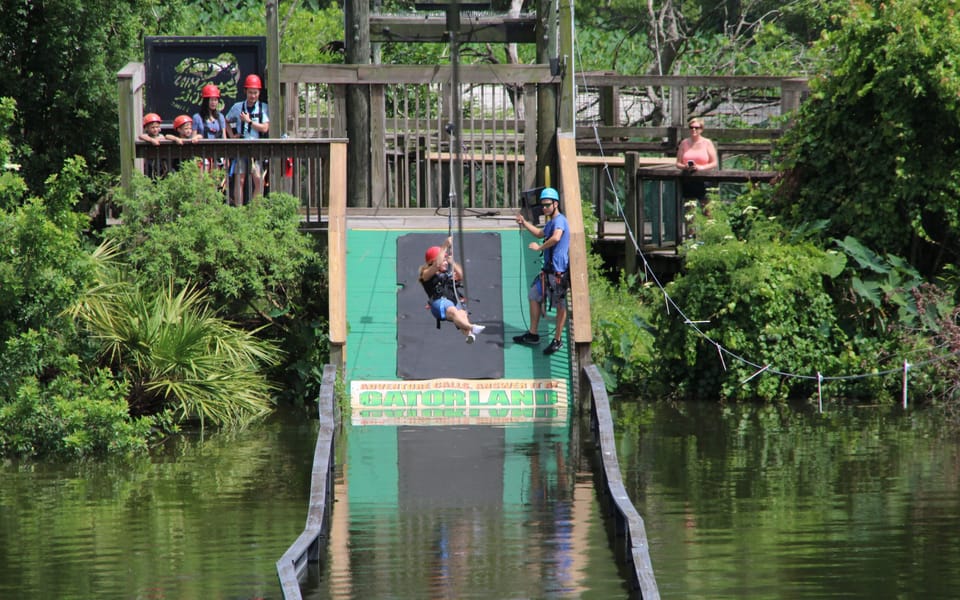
(412, 151)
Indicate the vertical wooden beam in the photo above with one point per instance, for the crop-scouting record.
(631, 210)
(568, 84)
(337, 252)
(546, 93)
(792, 91)
(356, 16)
(610, 105)
(292, 110)
(130, 82)
(378, 146)
(530, 117)
(678, 115)
(278, 125)
(572, 208)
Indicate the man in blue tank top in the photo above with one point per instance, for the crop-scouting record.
(553, 280)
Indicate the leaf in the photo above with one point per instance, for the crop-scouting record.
(833, 264)
(865, 257)
(867, 291)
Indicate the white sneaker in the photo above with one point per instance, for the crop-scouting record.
(471, 338)
(478, 329)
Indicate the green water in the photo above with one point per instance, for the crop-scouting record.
(739, 502)
(766, 503)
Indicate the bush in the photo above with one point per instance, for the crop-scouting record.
(259, 269)
(52, 407)
(762, 300)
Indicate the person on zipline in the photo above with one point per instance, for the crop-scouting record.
(440, 276)
(554, 277)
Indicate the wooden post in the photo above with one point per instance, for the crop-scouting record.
(531, 118)
(357, 46)
(678, 114)
(792, 92)
(571, 207)
(547, 93)
(130, 82)
(337, 251)
(568, 84)
(610, 105)
(631, 209)
(378, 146)
(278, 124)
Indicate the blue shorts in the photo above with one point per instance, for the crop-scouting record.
(558, 293)
(438, 308)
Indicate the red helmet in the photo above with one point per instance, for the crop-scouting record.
(181, 121)
(253, 81)
(210, 91)
(151, 118)
(432, 253)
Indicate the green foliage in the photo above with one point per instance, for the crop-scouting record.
(43, 264)
(250, 259)
(874, 149)
(938, 353)
(622, 339)
(173, 349)
(623, 342)
(51, 405)
(59, 60)
(305, 36)
(71, 417)
(257, 266)
(886, 285)
(760, 298)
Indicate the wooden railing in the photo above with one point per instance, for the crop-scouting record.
(650, 113)
(630, 536)
(653, 204)
(307, 547)
(410, 144)
(296, 166)
(410, 135)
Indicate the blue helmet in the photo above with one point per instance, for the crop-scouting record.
(549, 192)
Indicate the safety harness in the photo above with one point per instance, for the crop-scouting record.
(443, 285)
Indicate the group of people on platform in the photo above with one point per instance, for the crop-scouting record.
(247, 119)
(440, 275)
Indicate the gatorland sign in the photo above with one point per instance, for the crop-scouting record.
(458, 401)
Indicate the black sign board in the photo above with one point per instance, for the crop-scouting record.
(177, 68)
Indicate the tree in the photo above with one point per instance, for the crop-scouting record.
(874, 150)
(59, 60)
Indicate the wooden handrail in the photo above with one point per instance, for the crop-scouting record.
(628, 523)
(306, 548)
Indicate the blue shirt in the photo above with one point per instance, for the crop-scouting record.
(557, 258)
(258, 114)
(210, 130)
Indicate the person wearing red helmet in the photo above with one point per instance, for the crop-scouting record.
(182, 133)
(209, 122)
(440, 276)
(151, 129)
(248, 119)
(153, 167)
(183, 130)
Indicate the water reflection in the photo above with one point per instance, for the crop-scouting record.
(201, 518)
(481, 512)
(464, 512)
(766, 502)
